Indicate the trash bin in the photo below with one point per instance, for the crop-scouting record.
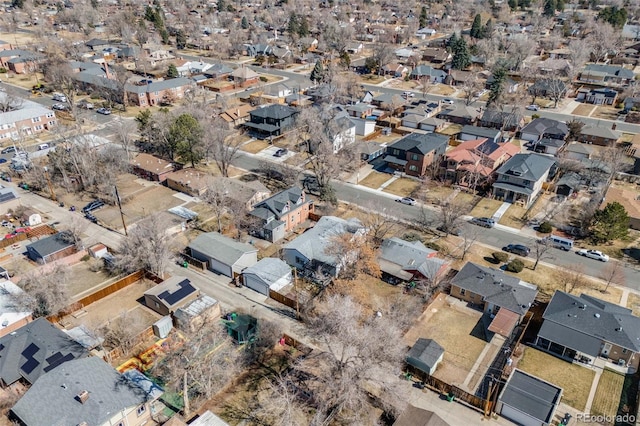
(451, 397)
(185, 265)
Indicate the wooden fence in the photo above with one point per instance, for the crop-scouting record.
(9, 241)
(292, 303)
(314, 216)
(194, 262)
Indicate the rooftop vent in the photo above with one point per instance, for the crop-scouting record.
(583, 307)
(596, 315)
(83, 396)
(619, 329)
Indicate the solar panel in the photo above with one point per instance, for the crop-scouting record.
(7, 196)
(30, 365)
(53, 358)
(185, 289)
(62, 360)
(30, 350)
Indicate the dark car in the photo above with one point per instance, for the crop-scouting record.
(450, 230)
(280, 152)
(518, 249)
(8, 150)
(3, 160)
(94, 205)
(91, 217)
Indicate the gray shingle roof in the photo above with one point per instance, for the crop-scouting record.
(27, 111)
(274, 111)
(482, 132)
(527, 166)
(49, 245)
(531, 396)
(279, 204)
(460, 111)
(424, 143)
(51, 401)
(409, 256)
(541, 126)
(269, 270)
(173, 291)
(217, 246)
(600, 132)
(424, 354)
(609, 70)
(496, 287)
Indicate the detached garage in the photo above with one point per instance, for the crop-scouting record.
(528, 400)
(268, 274)
(223, 255)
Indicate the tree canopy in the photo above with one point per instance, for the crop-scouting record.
(617, 17)
(317, 74)
(610, 223)
(461, 56)
(186, 135)
(476, 27)
(172, 71)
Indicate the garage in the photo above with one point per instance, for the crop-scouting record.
(528, 400)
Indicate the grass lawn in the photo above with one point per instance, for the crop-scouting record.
(606, 112)
(372, 79)
(466, 199)
(485, 208)
(375, 179)
(574, 379)
(633, 303)
(442, 89)
(583, 110)
(436, 193)
(402, 187)
(513, 216)
(451, 130)
(608, 393)
(254, 147)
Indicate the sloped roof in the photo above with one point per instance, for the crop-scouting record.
(244, 73)
(426, 70)
(414, 416)
(527, 166)
(275, 111)
(460, 111)
(424, 354)
(531, 395)
(224, 249)
(281, 203)
(50, 245)
(152, 163)
(609, 70)
(397, 255)
(28, 110)
(423, 143)
(541, 126)
(482, 132)
(269, 270)
(600, 132)
(172, 291)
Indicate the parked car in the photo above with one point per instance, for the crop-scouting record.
(447, 101)
(94, 205)
(593, 254)
(518, 249)
(59, 97)
(8, 150)
(3, 160)
(103, 111)
(280, 152)
(91, 217)
(85, 105)
(486, 222)
(532, 107)
(407, 200)
(408, 94)
(60, 107)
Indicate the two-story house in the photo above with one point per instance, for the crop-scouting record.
(158, 92)
(605, 74)
(415, 153)
(544, 128)
(282, 212)
(23, 117)
(271, 121)
(520, 179)
(473, 163)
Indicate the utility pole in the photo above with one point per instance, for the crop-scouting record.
(46, 175)
(124, 225)
(295, 289)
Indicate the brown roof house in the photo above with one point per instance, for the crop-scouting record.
(237, 115)
(630, 200)
(170, 295)
(190, 181)
(245, 76)
(152, 168)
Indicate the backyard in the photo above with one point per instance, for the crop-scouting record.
(575, 380)
(607, 398)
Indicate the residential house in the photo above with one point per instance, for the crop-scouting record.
(360, 110)
(468, 133)
(578, 151)
(596, 135)
(425, 32)
(152, 168)
(97, 44)
(218, 71)
(51, 248)
(354, 48)
(34, 349)
(541, 128)
(548, 88)
(568, 184)
(435, 55)
(425, 71)
(30, 218)
(425, 355)
(631, 103)
(562, 53)
(245, 76)
(384, 100)
(369, 151)
(5, 45)
(237, 116)
(414, 416)
(307, 44)
(457, 77)
(26, 118)
(205, 419)
(554, 67)
(528, 400)
(601, 96)
(403, 55)
(606, 75)
(460, 114)
(190, 181)
(585, 328)
(629, 200)
(272, 120)
(8, 195)
(473, 163)
(85, 391)
(549, 146)
(428, 124)
(505, 298)
(268, 274)
(246, 194)
(415, 153)
(223, 255)
(520, 179)
(193, 315)
(159, 56)
(276, 93)
(402, 260)
(282, 212)
(508, 121)
(159, 92)
(170, 294)
(12, 316)
(394, 69)
(20, 61)
(311, 251)
(422, 107)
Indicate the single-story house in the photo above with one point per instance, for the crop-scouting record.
(603, 136)
(151, 167)
(629, 200)
(51, 248)
(170, 294)
(201, 311)
(540, 128)
(601, 96)
(237, 115)
(369, 151)
(436, 55)
(528, 400)
(605, 74)
(190, 181)
(460, 114)
(406, 260)
(425, 32)
(503, 120)
(268, 274)
(468, 133)
(414, 416)
(223, 254)
(12, 316)
(425, 355)
(425, 71)
(577, 151)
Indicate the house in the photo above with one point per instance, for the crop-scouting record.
(425, 32)
(354, 48)
(425, 355)
(629, 200)
(425, 71)
(578, 151)
(468, 133)
(24, 118)
(84, 391)
(8, 195)
(585, 328)
(435, 55)
(244, 76)
(428, 124)
(596, 135)
(30, 218)
(51, 248)
(520, 179)
(404, 54)
(602, 96)
(205, 419)
(190, 181)
(12, 316)
(508, 121)
(457, 77)
(310, 251)
(308, 44)
(152, 168)
(415, 153)
(528, 400)
(283, 212)
(272, 120)
(472, 163)
(193, 315)
(402, 260)
(540, 128)
(159, 92)
(548, 88)
(267, 274)
(549, 146)
(20, 61)
(606, 75)
(568, 184)
(276, 93)
(223, 255)
(394, 69)
(460, 114)
(360, 110)
(503, 297)
(35, 349)
(170, 294)
(218, 71)
(414, 416)
(97, 44)
(554, 67)
(237, 115)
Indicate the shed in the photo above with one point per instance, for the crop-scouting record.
(241, 327)
(568, 184)
(98, 251)
(170, 294)
(223, 255)
(51, 248)
(425, 355)
(528, 400)
(202, 310)
(268, 273)
(414, 416)
(31, 218)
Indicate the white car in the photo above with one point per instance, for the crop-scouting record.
(59, 97)
(447, 101)
(407, 200)
(532, 107)
(593, 254)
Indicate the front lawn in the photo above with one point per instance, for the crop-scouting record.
(485, 208)
(608, 393)
(403, 187)
(375, 179)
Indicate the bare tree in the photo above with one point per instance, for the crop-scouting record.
(355, 255)
(469, 237)
(425, 85)
(379, 226)
(572, 277)
(450, 214)
(382, 54)
(217, 196)
(121, 332)
(470, 87)
(279, 403)
(62, 77)
(148, 246)
(45, 293)
(126, 132)
(541, 251)
(221, 145)
(603, 39)
(9, 102)
(613, 273)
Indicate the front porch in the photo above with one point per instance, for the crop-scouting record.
(512, 193)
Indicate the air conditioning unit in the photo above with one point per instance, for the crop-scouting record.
(622, 362)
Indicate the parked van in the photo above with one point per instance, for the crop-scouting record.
(43, 146)
(558, 242)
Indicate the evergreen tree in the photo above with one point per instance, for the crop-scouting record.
(476, 27)
(345, 59)
(461, 56)
(610, 223)
(292, 26)
(318, 72)
(303, 27)
(423, 17)
(549, 8)
(497, 85)
(186, 135)
(614, 16)
(222, 6)
(244, 24)
(487, 30)
(181, 39)
(172, 71)
(513, 4)
(560, 5)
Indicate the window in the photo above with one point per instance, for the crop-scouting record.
(396, 152)
(50, 115)
(413, 168)
(624, 351)
(38, 127)
(35, 120)
(462, 292)
(414, 157)
(52, 123)
(141, 409)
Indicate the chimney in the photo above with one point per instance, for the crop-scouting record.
(83, 396)
(613, 126)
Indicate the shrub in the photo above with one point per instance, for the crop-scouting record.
(515, 265)
(534, 116)
(85, 258)
(500, 257)
(432, 246)
(412, 236)
(263, 79)
(545, 228)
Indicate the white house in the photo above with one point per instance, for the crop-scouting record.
(423, 33)
(268, 274)
(363, 127)
(12, 317)
(345, 135)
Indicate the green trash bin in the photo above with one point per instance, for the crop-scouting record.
(451, 397)
(185, 265)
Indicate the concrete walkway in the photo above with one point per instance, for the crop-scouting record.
(599, 366)
(387, 183)
(503, 208)
(625, 296)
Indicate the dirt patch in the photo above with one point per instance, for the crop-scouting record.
(372, 79)
(584, 110)
(254, 147)
(485, 208)
(442, 89)
(375, 179)
(450, 130)
(633, 303)
(402, 187)
(213, 170)
(606, 112)
(83, 278)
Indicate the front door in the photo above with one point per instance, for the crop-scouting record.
(606, 349)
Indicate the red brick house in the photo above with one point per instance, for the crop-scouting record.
(152, 168)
